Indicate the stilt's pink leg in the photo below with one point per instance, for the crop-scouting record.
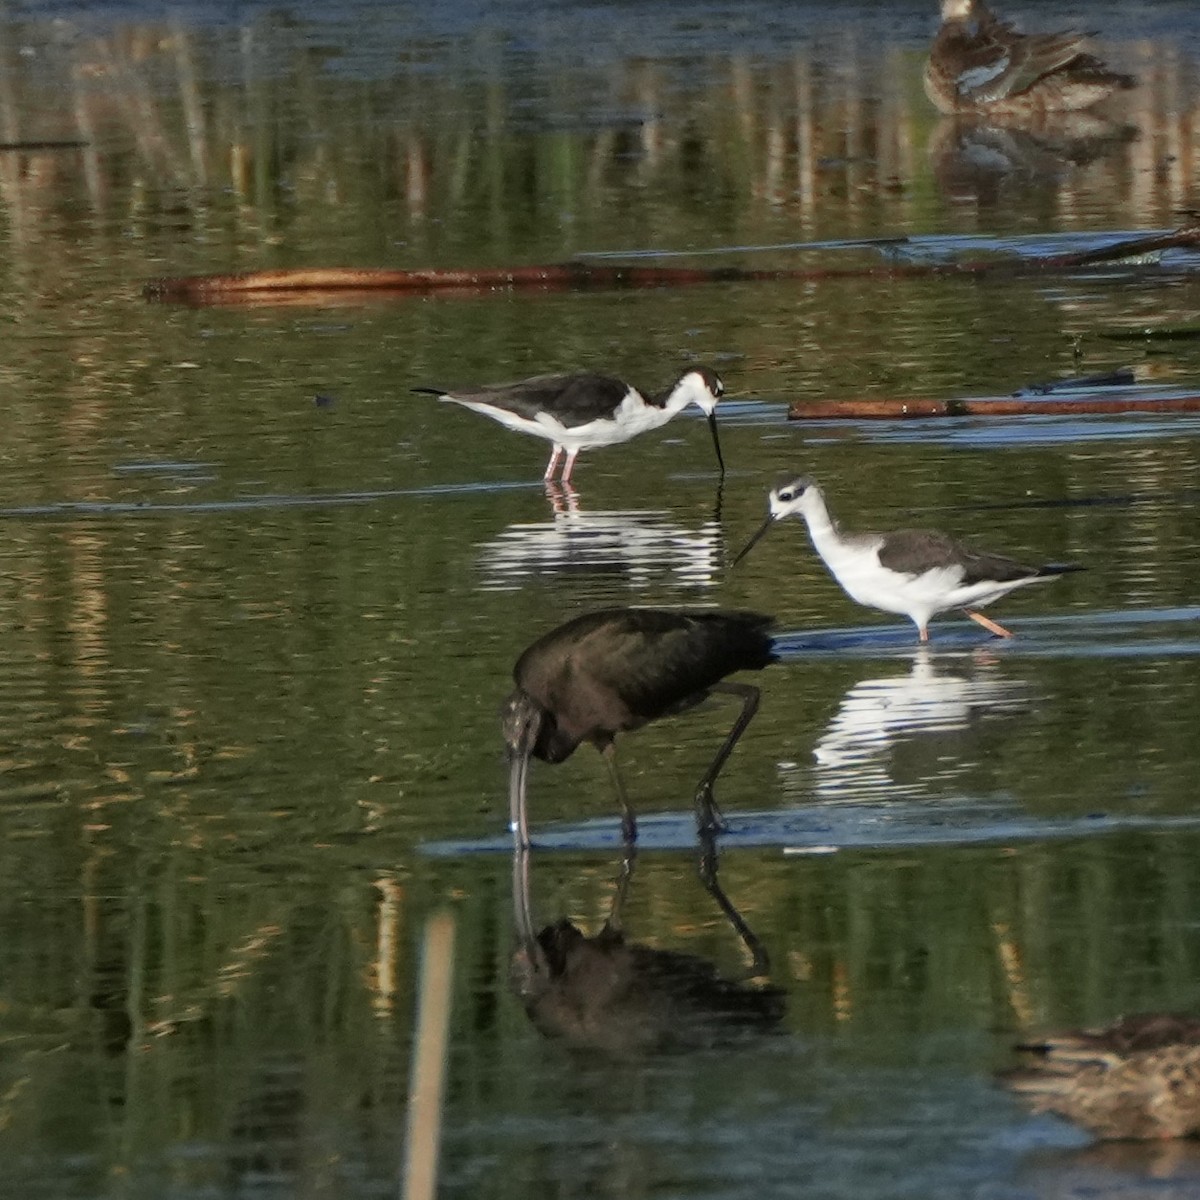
(553, 462)
(923, 633)
(571, 455)
(988, 624)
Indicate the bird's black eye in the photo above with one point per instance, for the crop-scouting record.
(786, 494)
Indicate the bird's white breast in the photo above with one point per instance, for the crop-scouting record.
(860, 572)
(631, 417)
(935, 590)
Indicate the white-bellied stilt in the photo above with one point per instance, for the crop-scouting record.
(583, 411)
(915, 572)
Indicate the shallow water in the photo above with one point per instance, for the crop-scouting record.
(260, 603)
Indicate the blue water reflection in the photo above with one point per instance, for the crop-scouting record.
(643, 547)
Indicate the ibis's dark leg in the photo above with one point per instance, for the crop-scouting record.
(628, 862)
(988, 623)
(761, 963)
(708, 815)
(628, 821)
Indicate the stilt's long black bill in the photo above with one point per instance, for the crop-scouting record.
(753, 541)
(712, 424)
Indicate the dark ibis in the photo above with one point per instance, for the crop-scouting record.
(611, 671)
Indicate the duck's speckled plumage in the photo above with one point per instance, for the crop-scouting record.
(979, 63)
(1136, 1079)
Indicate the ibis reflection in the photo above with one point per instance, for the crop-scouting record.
(607, 993)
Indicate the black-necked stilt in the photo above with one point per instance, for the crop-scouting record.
(979, 63)
(1138, 1078)
(582, 411)
(615, 670)
(916, 572)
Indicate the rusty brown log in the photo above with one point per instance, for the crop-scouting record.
(264, 285)
(999, 406)
(319, 284)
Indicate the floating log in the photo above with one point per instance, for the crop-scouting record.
(316, 285)
(55, 144)
(1121, 377)
(996, 406)
(1131, 248)
(263, 286)
(1151, 333)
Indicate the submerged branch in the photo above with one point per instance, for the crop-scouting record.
(318, 284)
(999, 406)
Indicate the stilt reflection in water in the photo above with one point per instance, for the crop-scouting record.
(618, 669)
(619, 997)
(856, 755)
(640, 546)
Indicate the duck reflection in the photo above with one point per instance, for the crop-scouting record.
(982, 159)
(609, 994)
(643, 546)
(1165, 1169)
(862, 748)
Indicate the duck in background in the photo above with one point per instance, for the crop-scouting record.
(1136, 1079)
(979, 63)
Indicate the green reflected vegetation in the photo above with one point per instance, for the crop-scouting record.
(259, 604)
